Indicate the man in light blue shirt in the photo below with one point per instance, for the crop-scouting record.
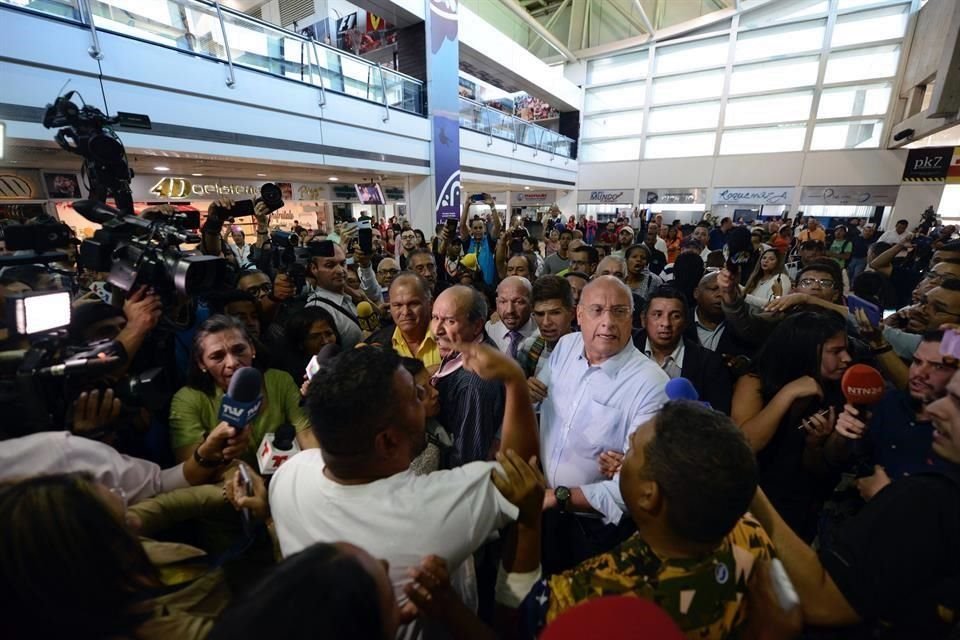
(600, 389)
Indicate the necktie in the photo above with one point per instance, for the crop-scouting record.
(515, 337)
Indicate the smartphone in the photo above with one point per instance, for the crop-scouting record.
(516, 246)
(242, 208)
(451, 225)
(874, 313)
(365, 236)
(312, 367)
(348, 228)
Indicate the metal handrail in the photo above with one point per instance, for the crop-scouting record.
(485, 109)
(383, 88)
(232, 79)
(316, 60)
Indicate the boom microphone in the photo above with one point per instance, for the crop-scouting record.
(243, 399)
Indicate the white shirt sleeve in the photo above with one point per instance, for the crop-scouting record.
(60, 452)
(369, 284)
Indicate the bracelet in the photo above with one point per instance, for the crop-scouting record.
(203, 462)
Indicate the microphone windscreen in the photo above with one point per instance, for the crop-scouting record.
(95, 211)
(862, 385)
(245, 384)
(284, 436)
(681, 389)
(364, 309)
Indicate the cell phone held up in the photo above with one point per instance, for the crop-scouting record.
(365, 236)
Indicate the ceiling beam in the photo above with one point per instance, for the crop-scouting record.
(538, 28)
(647, 25)
(626, 16)
(556, 14)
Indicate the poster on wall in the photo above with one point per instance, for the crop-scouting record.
(860, 196)
(62, 185)
(534, 198)
(929, 164)
(753, 195)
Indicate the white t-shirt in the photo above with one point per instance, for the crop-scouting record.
(401, 519)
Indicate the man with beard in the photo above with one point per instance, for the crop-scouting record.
(513, 307)
(897, 433)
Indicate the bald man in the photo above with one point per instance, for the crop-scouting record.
(514, 306)
(599, 388)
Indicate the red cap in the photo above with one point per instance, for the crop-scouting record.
(862, 385)
(613, 618)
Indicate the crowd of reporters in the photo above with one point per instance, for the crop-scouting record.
(476, 430)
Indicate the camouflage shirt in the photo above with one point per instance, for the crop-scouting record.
(705, 596)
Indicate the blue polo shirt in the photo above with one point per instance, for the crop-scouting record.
(899, 442)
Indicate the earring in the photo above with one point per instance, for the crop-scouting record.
(204, 370)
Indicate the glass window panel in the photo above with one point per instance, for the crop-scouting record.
(621, 96)
(691, 55)
(860, 134)
(876, 62)
(853, 4)
(868, 26)
(69, 9)
(782, 107)
(867, 100)
(770, 76)
(613, 124)
(763, 140)
(701, 115)
(680, 146)
(608, 150)
(784, 12)
(780, 41)
(630, 66)
(688, 87)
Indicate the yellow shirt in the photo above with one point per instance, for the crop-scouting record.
(428, 352)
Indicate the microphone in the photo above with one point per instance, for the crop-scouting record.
(77, 365)
(243, 399)
(369, 319)
(862, 386)
(682, 389)
(277, 448)
(96, 211)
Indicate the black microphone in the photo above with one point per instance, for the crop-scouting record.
(96, 211)
(243, 399)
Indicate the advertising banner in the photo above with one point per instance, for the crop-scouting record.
(534, 197)
(605, 196)
(753, 195)
(443, 69)
(872, 196)
(674, 196)
(929, 164)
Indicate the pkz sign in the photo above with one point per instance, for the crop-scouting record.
(929, 164)
(605, 196)
(753, 195)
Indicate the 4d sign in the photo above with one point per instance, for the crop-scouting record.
(181, 188)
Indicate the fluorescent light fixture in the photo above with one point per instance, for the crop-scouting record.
(333, 178)
(161, 168)
(261, 175)
(526, 188)
(196, 175)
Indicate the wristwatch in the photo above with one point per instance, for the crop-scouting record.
(562, 495)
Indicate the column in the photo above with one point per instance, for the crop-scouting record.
(443, 72)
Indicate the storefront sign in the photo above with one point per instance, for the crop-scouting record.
(605, 196)
(20, 185)
(753, 195)
(929, 164)
(866, 196)
(674, 196)
(146, 188)
(311, 191)
(534, 197)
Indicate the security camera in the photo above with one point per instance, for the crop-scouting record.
(901, 135)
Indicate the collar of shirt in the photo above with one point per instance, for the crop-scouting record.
(502, 332)
(696, 319)
(451, 363)
(341, 299)
(676, 356)
(401, 347)
(611, 366)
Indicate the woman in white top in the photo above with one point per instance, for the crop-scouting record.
(769, 279)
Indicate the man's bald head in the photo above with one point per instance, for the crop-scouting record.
(514, 302)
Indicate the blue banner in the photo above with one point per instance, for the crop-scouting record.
(443, 74)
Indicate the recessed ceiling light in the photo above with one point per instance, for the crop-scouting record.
(196, 174)
(261, 175)
(161, 168)
(333, 178)
(526, 188)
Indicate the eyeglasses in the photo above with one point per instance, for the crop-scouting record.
(266, 288)
(826, 283)
(617, 313)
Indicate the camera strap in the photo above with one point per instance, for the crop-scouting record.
(353, 317)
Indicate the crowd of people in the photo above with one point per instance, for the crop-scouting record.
(505, 428)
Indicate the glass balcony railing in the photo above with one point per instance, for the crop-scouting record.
(493, 122)
(194, 26)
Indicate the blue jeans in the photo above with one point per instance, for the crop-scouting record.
(855, 267)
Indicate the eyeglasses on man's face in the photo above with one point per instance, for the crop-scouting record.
(824, 283)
